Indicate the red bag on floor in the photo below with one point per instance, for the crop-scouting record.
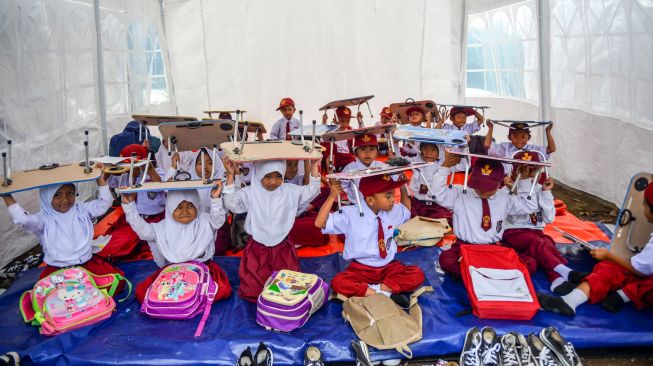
(305, 233)
(497, 283)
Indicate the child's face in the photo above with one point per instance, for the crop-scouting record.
(459, 119)
(385, 120)
(344, 122)
(64, 198)
(527, 171)
(185, 213)
(287, 111)
(430, 153)
(272, 181)
(367, 154)
(292, 167)
(519, 138)
(486, 194)
(383, 201)
(647, 212)
(415, 118)
(208, 166)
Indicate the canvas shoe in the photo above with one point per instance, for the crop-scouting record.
(564, 350)
(10, 359)
(525, 355)
(542, 354)
(362, 353)
(246, 358)
(313, 357)
(470, 356)
(263, 356)
(509, 354)
(490, 347)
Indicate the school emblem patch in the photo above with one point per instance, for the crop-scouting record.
(387, 110)
(386, 177)
(486, 170)
(151, 195)
(527, 157)
(366, 138)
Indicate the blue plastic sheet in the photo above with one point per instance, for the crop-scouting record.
(131, 338)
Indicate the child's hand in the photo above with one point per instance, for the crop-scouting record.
(359, 117)
(229, 166)
(217, 190)
(100, 166)
(549, 127)
(508, 181)
(127, 197)
(450, 159)
(175, 161)
(478, 116)
(259, 135)
(489, 124)
(391, 154)
(102, 179)
(600, 254)
(325, 118)
(336, 188)
(146, 144)
(548, 184)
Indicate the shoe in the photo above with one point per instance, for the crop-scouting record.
(470, 356)
(555, 304)
(10, 359)
(542, 354)
(509, 355)
(577, 276)
(564, 288)
(263, 356)
(613, 303)
(362, 353)
(524, 352)
(392, 362)
(246, 358)
(401, 299)
(490, 347)
(564, 350)
(313, 357)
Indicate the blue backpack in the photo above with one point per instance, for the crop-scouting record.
(130, 135)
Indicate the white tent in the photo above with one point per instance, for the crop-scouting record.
(71, 65)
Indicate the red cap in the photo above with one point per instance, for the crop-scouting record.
(519, 126)
(386, 112)
(486, 175)
(224, 115)
(378, 183)
(286, 102)
(414, 109)
(140, 150)
(648, 193)
(526, 155)
(455, 110)
(343, 112)
(366, 139)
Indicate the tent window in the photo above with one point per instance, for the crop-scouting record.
(502, 53)
(147, 72)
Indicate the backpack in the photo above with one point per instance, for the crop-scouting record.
(288, 299)
(497, 282)
(381, 323)
(70, 298)
(181, 291)
(421, 231)
(130, 135)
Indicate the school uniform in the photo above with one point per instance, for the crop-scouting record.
(173, 242)
(524, 233)
(468, 128)
(164, 161)
(148, 203)
(508, 150)
(282, 127)
(421, 203)
(469, 212)
(342, 154)
(270, 217)
(362, 246)
(348, 184)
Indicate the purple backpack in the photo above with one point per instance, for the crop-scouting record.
(181, 291)
(288, 299)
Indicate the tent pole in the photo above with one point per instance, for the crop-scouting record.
(544, 36)
(100, 77)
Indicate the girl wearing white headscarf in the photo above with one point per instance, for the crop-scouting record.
(175, 242)
(270, 216)
(66, 236)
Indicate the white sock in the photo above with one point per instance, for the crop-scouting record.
(623, 295)
(563, 271)
(386, 293)
(376, 287)
(557, 282)
(575, 298)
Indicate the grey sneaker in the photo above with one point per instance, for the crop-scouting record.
(509, 355)
(525, 355)
(542, 354)
(490, 347)
(470, 356)
(564, 350)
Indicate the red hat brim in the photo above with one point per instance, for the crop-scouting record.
(389, 186)
(483, 184)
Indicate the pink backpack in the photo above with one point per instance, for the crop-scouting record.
(181, 291)
(70, 298)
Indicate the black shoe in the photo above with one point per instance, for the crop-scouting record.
(490, 347)
(542, 354)
(563, 350)
(362, 353)
(509, 355)
(613, 303)
(246, 358)
(264, 356)
(524, 352)
(564, 288)
(10, 359)
(555, 304)
(577, 276)
(401, 299)
(471, 355)
(313, 357)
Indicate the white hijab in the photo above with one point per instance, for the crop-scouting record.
(218, 173)
(271, 215)
(183, 242)
(65, 235)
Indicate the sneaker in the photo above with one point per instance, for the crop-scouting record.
(490, 347)
(10, 359)
(313, 357)
(362, 353)
(470, 355)
(392, 362)
(263, 356)
(524, 352)
(564, 350)
(555, 304)
(542, 354)
(509, 355)
(613, 302)
(246, 358)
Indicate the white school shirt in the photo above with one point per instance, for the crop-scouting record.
(33, 224)
(418, 184)
(468, 128)
(643, 261)
(545, 213)
(298, 181)
(147, 202)
(361, 233)
(145, 231)
(278, 131)
(347, 184)
(468, 209)
(507, 150)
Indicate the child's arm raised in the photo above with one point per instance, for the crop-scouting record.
(140, 227)
(519, 204)
(102, 203)
(29, 222)
(445, 196)
(9, 200)
(601, 254)
(325, 210)
(488, 138)
(218, 213)
(307, 177)
(235, 200)
(154, 175)
(546, 201)
(550, 142)
(312, 190)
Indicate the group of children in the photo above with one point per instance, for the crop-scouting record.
(180, 226)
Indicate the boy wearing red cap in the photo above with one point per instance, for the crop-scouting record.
(343, 154)
(422, 204)
(458, 117)
(366, 150)
(286, 124)
(369, 240)
(478, 214)
(416, 116)
(519, 134)
(614, 281)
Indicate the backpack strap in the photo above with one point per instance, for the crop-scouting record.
(26, 307)
(417, 293)
(210, 296)
(404, 350)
